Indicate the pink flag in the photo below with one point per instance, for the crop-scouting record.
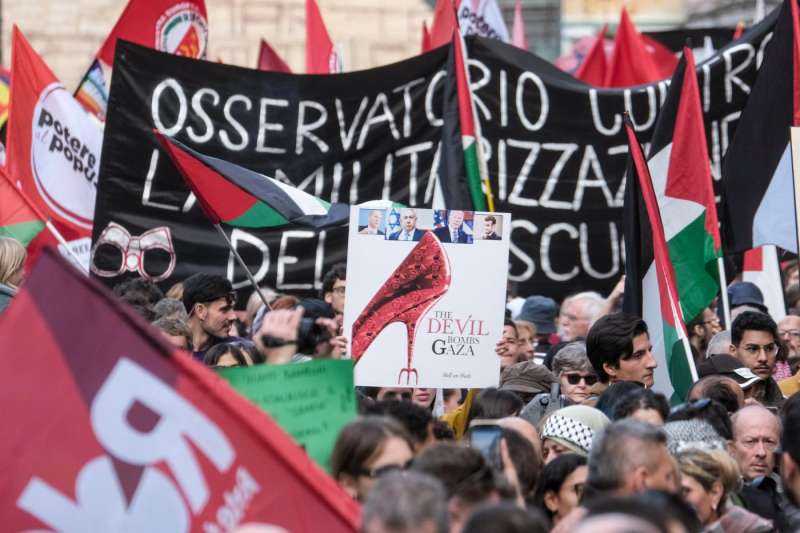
(518, 37)
(319, 47)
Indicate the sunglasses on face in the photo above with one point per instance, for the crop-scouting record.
(574, 379)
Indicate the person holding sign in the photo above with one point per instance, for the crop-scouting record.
(408, 227)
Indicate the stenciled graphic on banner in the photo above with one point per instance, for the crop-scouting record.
(131, 252)
(65, 156)
(182, 30)
(413, 319)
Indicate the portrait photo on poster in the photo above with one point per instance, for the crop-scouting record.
(488, 227)
(453, 226)
(371, 221)
(408, 224)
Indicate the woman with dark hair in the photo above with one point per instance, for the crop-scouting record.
(643, 404)
(607, 401)
(493, 403)
(237, 353)
(561, 485)
(367, 448)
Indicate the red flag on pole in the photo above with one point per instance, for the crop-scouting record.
(53, 147)
(122, 432)
(173, 26)
(426, 38)
(518, 37)
(444, 23)
(592, 69)
(268, 59)
(319, 47)
(630, 62)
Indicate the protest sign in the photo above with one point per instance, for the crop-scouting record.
(311, 402)
(555, 149)
(442, 275)
(122, 432)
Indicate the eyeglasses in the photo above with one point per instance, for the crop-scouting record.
(385, 469)
(790, 332)
(574, 379)
(756, 348)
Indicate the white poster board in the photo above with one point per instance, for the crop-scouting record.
(438, 274)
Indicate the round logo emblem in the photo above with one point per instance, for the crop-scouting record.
(65, 155)
(182, 30)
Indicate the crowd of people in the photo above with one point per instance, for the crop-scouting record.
(573, 438)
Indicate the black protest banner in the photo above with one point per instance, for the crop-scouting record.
(556, 153)
(347, 138)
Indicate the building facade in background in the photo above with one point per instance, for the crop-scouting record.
(369, 32)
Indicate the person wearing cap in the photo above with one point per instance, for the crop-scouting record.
(619, 348)
(571, 430)
(526, 379)
(574, 376)
(543, 312)
(209, 300)
(753, 387)
(745, 293)
(755, 343)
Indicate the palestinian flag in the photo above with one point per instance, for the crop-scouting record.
(474, 163)
(761, 267)
(650, 287)
(18, 217)
(240, 197)
(681, 173)
(757, 184)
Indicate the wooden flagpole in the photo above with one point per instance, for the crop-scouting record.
(244, 266)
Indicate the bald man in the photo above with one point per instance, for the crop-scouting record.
(756, 434)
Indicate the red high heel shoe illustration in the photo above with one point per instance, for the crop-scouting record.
(411, 290)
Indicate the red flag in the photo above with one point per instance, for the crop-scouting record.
(319, 47)
(19, 218)
(173, 26)
(592, 69)
(518, 37)
(664, 58)
(426, 38)
(268, 59)
(121, 431)
(53, 147)
(739, 30)
(630, 62)
(444, 23)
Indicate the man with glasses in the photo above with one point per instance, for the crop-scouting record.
(702, 329)
(789, 330)
(754, 342)
(209, 300)
(333, 288)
